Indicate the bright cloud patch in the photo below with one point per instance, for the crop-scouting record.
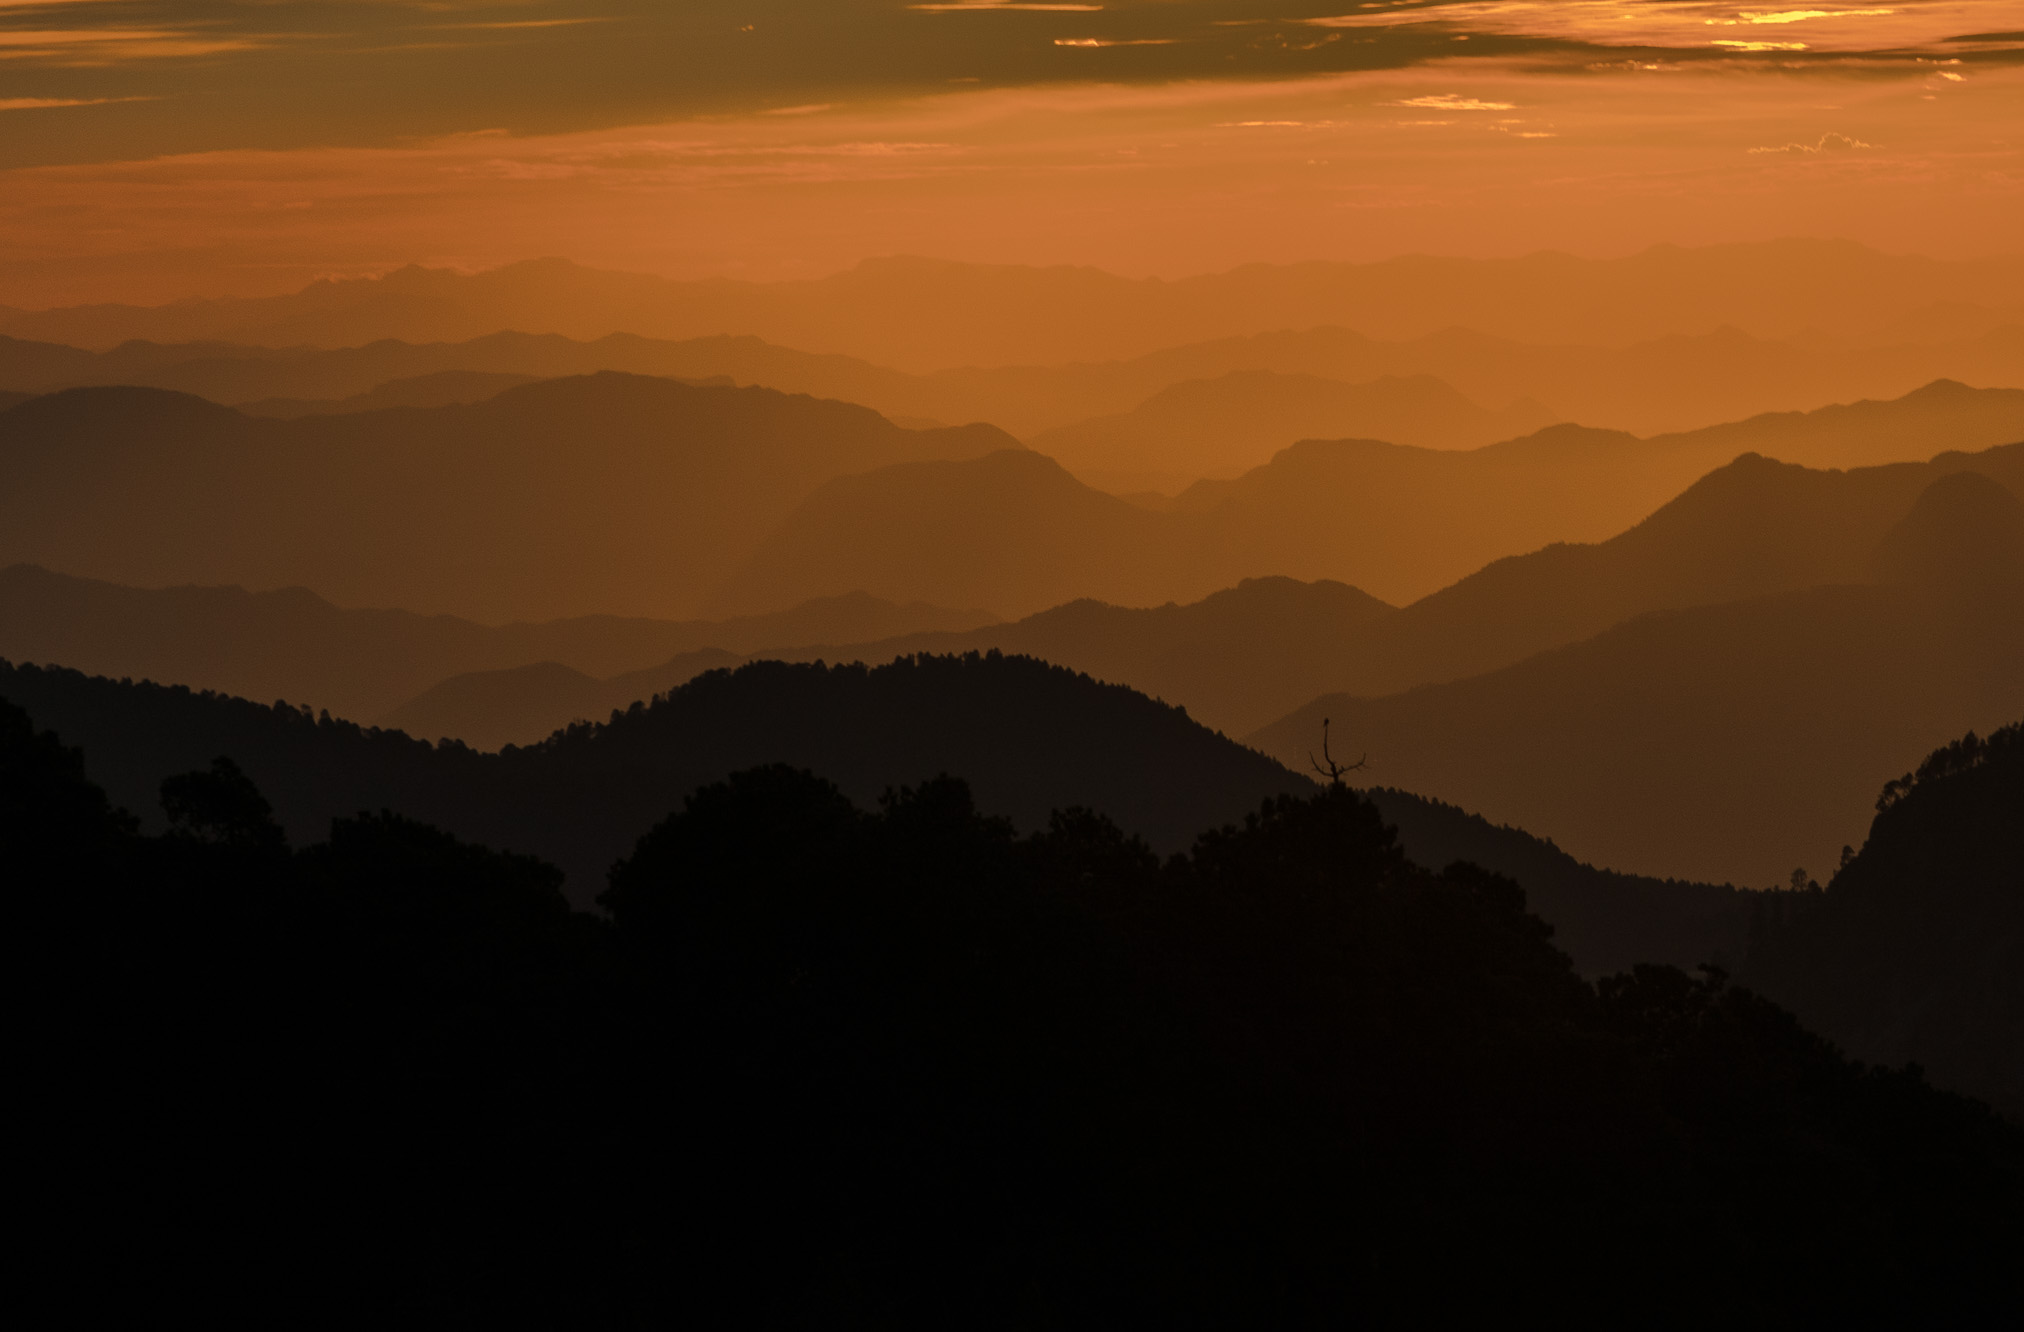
(1453, 102)
(1827, 143)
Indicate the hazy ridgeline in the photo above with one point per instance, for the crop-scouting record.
(625, 494)
(923, 314)
(822, 783)
(1863, 613)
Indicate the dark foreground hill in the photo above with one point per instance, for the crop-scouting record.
(1033, 738)
(903, 1068)
(1914, 952)
(293, 644)
(607, 493)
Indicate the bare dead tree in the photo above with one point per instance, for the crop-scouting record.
(1332, 770)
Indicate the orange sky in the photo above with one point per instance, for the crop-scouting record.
(1620, 125)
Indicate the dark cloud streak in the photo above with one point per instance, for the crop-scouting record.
(332, 73)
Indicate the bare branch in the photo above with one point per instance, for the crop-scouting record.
(1333, 771)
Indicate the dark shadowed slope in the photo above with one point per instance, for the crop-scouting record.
(608, 493)
(1219, 427)
(293, 644)
(1607, 921)
(1725, 742)
(1915, 950)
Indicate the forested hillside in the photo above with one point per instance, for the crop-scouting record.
(833, 1032)
(1914, 952)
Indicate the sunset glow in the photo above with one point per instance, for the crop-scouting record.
(159, 158)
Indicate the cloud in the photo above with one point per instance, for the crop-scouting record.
(1800, 15)
(1827, 143)
(43, 103)
(261, 74)
(1453, 102)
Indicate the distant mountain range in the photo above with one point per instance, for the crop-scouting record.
(931, 314)
(1029, 737)
(1637, 699)
(1558, 651)
(444, 388)
(1223, 426)
(1015, 532)
(1679, 382)
(608, 493)
(292, 644)
(1233, 661)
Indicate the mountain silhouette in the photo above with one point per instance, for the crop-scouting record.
(1234, 660)
(1017, 534)
(1752, 528)
(1038, 738)
(1910, 954)
(1032, 737)
(292, 644)
(1221, 426)
(607, 493)
(1720, 743)
(1237, 658)
(1244, 656)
